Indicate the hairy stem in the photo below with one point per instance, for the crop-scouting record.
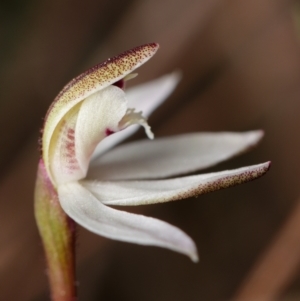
(57, 231)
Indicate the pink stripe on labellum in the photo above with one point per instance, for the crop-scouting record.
(71, 134)
(70, 153)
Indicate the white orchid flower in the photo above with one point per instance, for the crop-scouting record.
(94, 106)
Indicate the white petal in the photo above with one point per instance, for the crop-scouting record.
(131, 193)
(146, 98)
(86, 210)
(165, 157)
(99, 113)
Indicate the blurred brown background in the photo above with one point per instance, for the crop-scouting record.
(241, 71)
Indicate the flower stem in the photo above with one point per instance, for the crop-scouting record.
(57, 231)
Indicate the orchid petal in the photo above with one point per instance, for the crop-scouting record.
(86, 210)
(93, 80)
(99, 114)
(146, 98)
(131, 193)
(169, 156)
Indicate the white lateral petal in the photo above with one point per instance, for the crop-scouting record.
(146, 98)
(82, 206)
(165, 157)
(131, 193)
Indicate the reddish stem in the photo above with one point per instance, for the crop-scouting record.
(57, 231)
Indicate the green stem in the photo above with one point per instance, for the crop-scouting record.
(57, 231)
